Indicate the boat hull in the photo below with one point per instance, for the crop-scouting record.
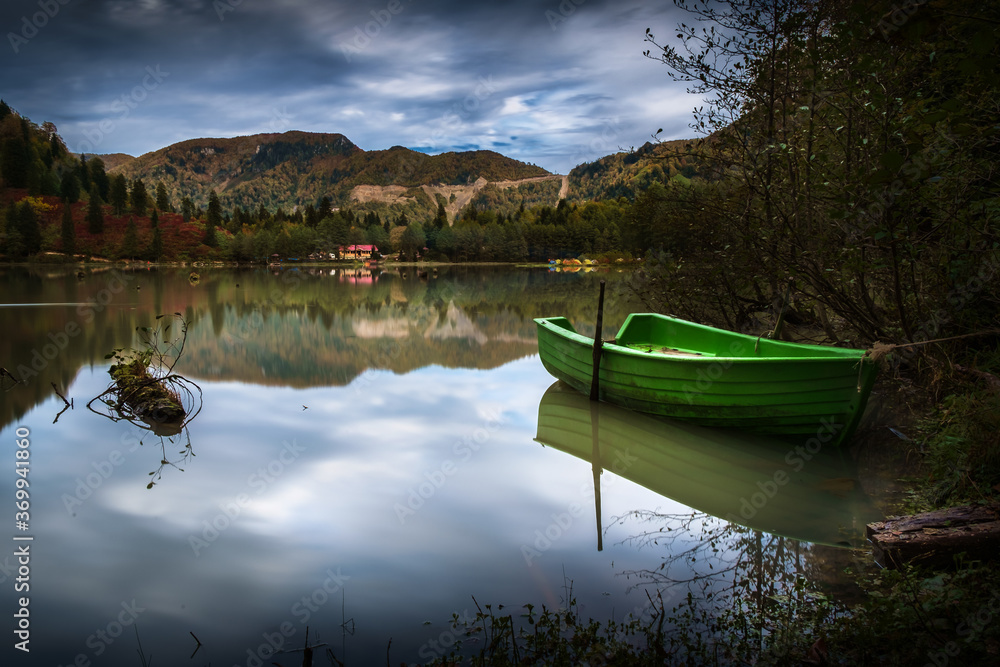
(716, 378)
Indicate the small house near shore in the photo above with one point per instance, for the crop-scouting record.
(362, 252)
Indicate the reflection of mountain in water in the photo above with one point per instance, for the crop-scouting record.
(301, 348)
(455, 325)
(764, 484)
(282, 327)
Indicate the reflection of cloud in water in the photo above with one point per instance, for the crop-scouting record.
(367, 446)
(390, 327)
(331, 508)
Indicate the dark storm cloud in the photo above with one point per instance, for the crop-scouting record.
(568, 78)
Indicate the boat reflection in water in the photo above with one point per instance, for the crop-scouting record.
(772, 485)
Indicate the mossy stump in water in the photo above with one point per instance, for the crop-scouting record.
(146, 396)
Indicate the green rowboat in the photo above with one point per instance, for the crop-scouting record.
(666, 366)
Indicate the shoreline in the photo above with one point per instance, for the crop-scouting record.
(330, 263)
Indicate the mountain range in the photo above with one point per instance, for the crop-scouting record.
(295, 168)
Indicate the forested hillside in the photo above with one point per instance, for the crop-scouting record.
(293, 169)
(298, 194)
(629, 174)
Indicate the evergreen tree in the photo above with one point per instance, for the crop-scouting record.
(187, 209)
(31, 233)
(99, 177)
(213, 219)
(68, 229)
(239, 218)
(325, 208)
(311, 217)
(36, 172)
(214, 212)
(95, 214)
(119, 195)
(162, 200)
(82, 171)
(139, 197)
(15, 160)
(441, 219)
(211, 238)
(14, 244)
(69, 187)
(57, 148)
(130, 244)
(154, 219)
(156, 245)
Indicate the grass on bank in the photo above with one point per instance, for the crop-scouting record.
(908, 617)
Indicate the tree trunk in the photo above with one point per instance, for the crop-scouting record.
(935, 538)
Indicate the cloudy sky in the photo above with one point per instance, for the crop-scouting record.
(551, 82)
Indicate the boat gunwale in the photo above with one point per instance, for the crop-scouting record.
(824, 354)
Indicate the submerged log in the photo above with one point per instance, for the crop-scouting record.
(145, 395)
(935, 538)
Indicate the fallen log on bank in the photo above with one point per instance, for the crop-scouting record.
(935, 538)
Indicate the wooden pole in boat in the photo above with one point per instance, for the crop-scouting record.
(595, 380)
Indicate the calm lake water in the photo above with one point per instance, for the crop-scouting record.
(374, 453)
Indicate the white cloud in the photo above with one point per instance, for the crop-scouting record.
(514, 105)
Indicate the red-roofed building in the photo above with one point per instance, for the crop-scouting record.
(358, 251)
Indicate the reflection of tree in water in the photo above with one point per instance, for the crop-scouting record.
(173, 441)
(733, 594)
